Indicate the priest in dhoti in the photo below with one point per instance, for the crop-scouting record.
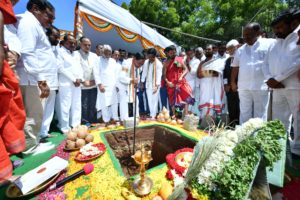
(151, 79)
(106, 80)
(128, 80)
(211, 84)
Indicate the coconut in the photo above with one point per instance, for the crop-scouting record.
(164, 110)
(89, 138)
(173, 122)
(167, 116)
(82, 128)
(70, 144)
(160, 115)
(80, 143)
(72, 136)
(81, 134)
(75, 129)
(157, 197)
(179, 121)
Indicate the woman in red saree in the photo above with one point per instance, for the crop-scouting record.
(179, 91)
(12, 114)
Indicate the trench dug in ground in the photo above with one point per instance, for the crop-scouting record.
(160, 140)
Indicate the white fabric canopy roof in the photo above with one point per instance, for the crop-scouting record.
(116, 15)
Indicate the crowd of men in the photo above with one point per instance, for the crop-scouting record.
(42, 75)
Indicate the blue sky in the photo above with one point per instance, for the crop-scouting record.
(64, 12)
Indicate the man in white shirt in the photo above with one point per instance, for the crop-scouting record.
(233, 102)
(99, 50)
(151, 79)
(88, 60)
(129, 78)
(199, 54)
(281, 65)
(116, 56)
(37, 62)
(192, 63)
(105, 77)
(247, 69)
(69, 86)
(53, 35)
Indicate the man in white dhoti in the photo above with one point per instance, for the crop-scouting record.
(211, 84)
(106, 80)
(69, 87)
(199, 54)
(129, 78)
(151, 79)
(192, 63)
(281, 65)
(247, 71)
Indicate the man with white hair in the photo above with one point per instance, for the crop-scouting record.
(106, 81)
(88, 60)
(233, 101)
(151, 78)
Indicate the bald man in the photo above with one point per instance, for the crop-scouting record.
(247, 72)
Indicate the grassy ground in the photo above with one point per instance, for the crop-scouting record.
(33, 161)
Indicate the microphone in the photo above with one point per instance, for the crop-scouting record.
(88, 168)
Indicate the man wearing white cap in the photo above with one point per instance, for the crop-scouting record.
(233, 101)
(105, 76)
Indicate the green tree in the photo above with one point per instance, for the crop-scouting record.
(216, 19)
(125, 6)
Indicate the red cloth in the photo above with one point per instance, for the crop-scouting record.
(7, 11)
(183, 94)
(12, 113)
(12, 120)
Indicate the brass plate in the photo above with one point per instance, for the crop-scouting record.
(13, 192)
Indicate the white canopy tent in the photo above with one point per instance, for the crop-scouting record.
(107, 23)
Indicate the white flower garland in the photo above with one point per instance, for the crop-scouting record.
(227, 141)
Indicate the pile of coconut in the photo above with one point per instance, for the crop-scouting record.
(78, 137)
(164, 117)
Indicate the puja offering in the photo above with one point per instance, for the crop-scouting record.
(190, 122)
(90, 152)
(77, 138)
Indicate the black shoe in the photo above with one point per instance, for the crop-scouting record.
(295, 156)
